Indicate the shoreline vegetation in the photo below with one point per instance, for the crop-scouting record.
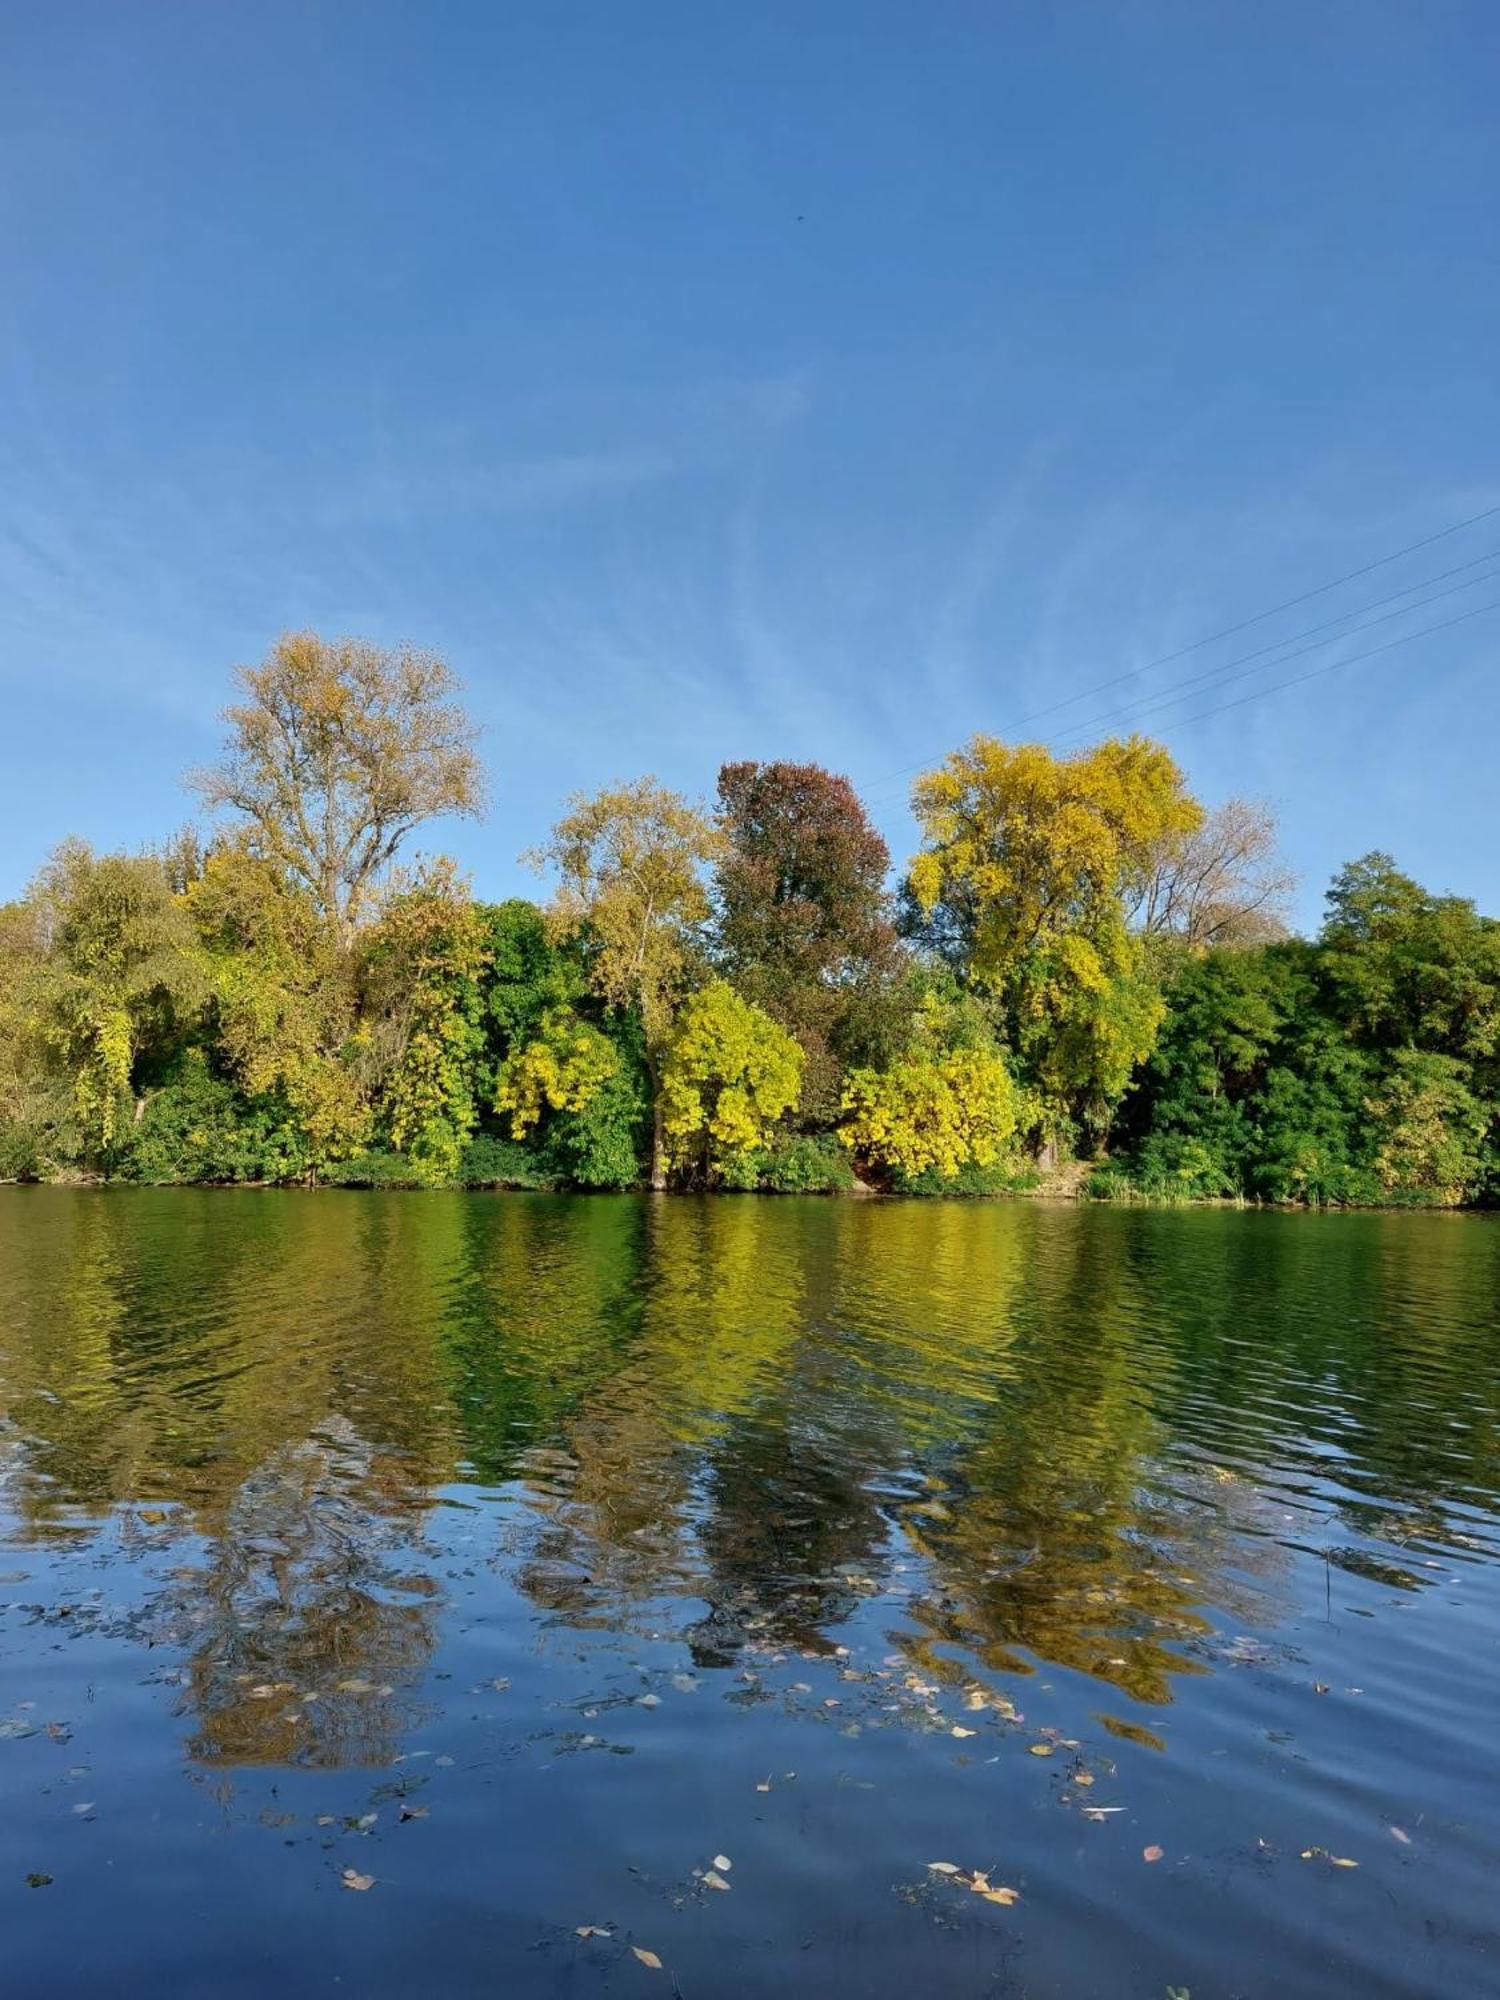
(1081, 986)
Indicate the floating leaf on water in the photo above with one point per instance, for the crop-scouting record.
(354, 1880)
(648, 1701)
(943, 1867)
(959, 1730)
(1002, 1896)
(1152, 1853)
(713, 1880)
(1341, 1861)
(1040, 1749)
(723, 1861)
(648, 1958)
(1400, 1833)
(37, 1880)
(592, 1930)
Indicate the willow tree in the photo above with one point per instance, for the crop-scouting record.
(631, 862)
(1029, 867)
(100, 968)
(338, 750)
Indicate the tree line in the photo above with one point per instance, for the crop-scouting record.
(1079, 964)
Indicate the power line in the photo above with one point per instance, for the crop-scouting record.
(1354, 659)
(1168, 697)
(1228, 631)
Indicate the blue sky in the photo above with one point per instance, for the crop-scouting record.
(706, 381)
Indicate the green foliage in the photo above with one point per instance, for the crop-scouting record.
(601, 1146)
(1361, 1069)
(490, 1161)
(796, 1163)
(374, 1167)
(425, 962)
(104, 960)
(1005, 1175)
(198, 1127)
(280, 1004)
(530, 973)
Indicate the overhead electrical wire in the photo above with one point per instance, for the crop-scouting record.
(1244, 624)
(1332, 666)
(1169, 696)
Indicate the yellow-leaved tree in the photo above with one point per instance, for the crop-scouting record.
(729, 1073)
(337, 750)
(948, 1103)
(563, 1068)
(631, 862)
(1029, 867)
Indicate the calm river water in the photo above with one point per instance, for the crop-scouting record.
(444, 1594)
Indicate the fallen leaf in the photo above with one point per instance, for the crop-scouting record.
(354, 1880)
(1040, 1749)
(943, 1867)
(1004, 1896)
(1400, 1833)
(1152, 1853)
(1341, 1861)
(592, 1930)
(647, 1958)
(713, 1880)
(958, 1731)
(37, 1880)
(723, 1861)
(648, 1701)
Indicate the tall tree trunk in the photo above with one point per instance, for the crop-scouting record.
(658, 1138)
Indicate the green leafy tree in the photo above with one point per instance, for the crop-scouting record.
(423, 1005)
(109, 978)
(286, 1002)
(1430, 1130)
(631, 862)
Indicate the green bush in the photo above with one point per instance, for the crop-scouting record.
(797, 1163)
(490, 1161)
(374, 1168)
(808, 1163)
(601, 1146)
(197, 1127)
(1004, 1177)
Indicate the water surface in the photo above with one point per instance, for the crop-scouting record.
(545, 1563)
